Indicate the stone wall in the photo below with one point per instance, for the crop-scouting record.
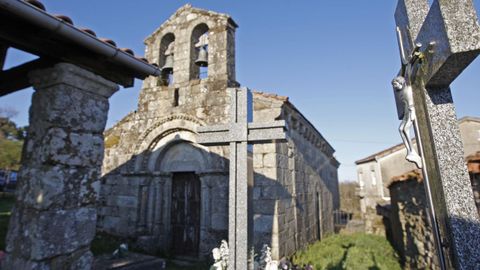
(411, 231)
(304, 191)
(473, 163)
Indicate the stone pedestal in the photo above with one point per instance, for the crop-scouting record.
(54, 218)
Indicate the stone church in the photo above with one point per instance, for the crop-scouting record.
(170, 194)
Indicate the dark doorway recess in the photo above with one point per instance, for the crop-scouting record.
(185, 214)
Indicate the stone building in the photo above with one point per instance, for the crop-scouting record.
(169, 193)
(375, 172)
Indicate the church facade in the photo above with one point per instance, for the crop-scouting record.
(169, 193)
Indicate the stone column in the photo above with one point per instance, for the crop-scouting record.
(54, 217)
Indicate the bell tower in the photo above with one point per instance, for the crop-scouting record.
(193, 46)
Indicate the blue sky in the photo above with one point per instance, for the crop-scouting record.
(334, 59)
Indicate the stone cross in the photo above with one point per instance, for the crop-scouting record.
(239, 133)
(449, 36)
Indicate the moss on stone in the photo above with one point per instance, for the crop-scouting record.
(111, 141)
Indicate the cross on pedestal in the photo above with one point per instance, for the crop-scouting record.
(239, 133)
(447, 37)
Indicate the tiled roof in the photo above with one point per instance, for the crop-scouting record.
(411, 175)
(68, 20)
(473, 163)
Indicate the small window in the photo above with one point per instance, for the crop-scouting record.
(374, 178)
(360, 180)
(175, 97)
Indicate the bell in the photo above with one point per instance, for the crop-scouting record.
(168, 67)
(202, 59)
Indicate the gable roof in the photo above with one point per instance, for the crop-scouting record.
(400, 146)
(383, 153)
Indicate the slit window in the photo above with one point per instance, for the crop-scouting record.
(175, 97)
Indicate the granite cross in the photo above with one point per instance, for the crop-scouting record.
(239, 133)
(447, 35)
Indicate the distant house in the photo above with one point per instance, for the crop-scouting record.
(375, 172)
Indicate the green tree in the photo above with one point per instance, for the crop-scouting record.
(10, 153)
(11, 140)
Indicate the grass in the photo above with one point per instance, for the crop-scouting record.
(6, 204)
(354, 251)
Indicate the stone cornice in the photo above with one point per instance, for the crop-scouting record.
(72, 75)
(300, 125)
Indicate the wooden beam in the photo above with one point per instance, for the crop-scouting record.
(16, 78)
(37, 41)
(3, 54)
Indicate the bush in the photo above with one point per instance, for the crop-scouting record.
(356, 251)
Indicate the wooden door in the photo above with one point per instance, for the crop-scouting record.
(185, 214)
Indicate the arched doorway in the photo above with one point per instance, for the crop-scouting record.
(183, 160)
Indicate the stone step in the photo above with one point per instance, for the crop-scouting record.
(133, 261)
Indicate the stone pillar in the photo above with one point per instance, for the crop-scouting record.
(54, 218)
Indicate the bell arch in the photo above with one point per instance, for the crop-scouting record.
(197, 44)
(167, 59)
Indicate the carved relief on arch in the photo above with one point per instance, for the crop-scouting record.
(180, 155)
(150, 139)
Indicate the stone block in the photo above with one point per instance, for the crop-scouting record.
(125, 190)
(273, 192)
(42, 235)
(57, 187)
(258, 160)
(257, 193)
(58, 146)
(20, 263)
(269, 173)
(270, 160)
(126, 201)
(266, 207)
(283, 161)
(219, 206)
(219, 222)
(263, 223)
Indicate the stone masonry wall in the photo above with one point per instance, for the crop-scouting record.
(411, 232)
(304, 186)
(162, 110)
